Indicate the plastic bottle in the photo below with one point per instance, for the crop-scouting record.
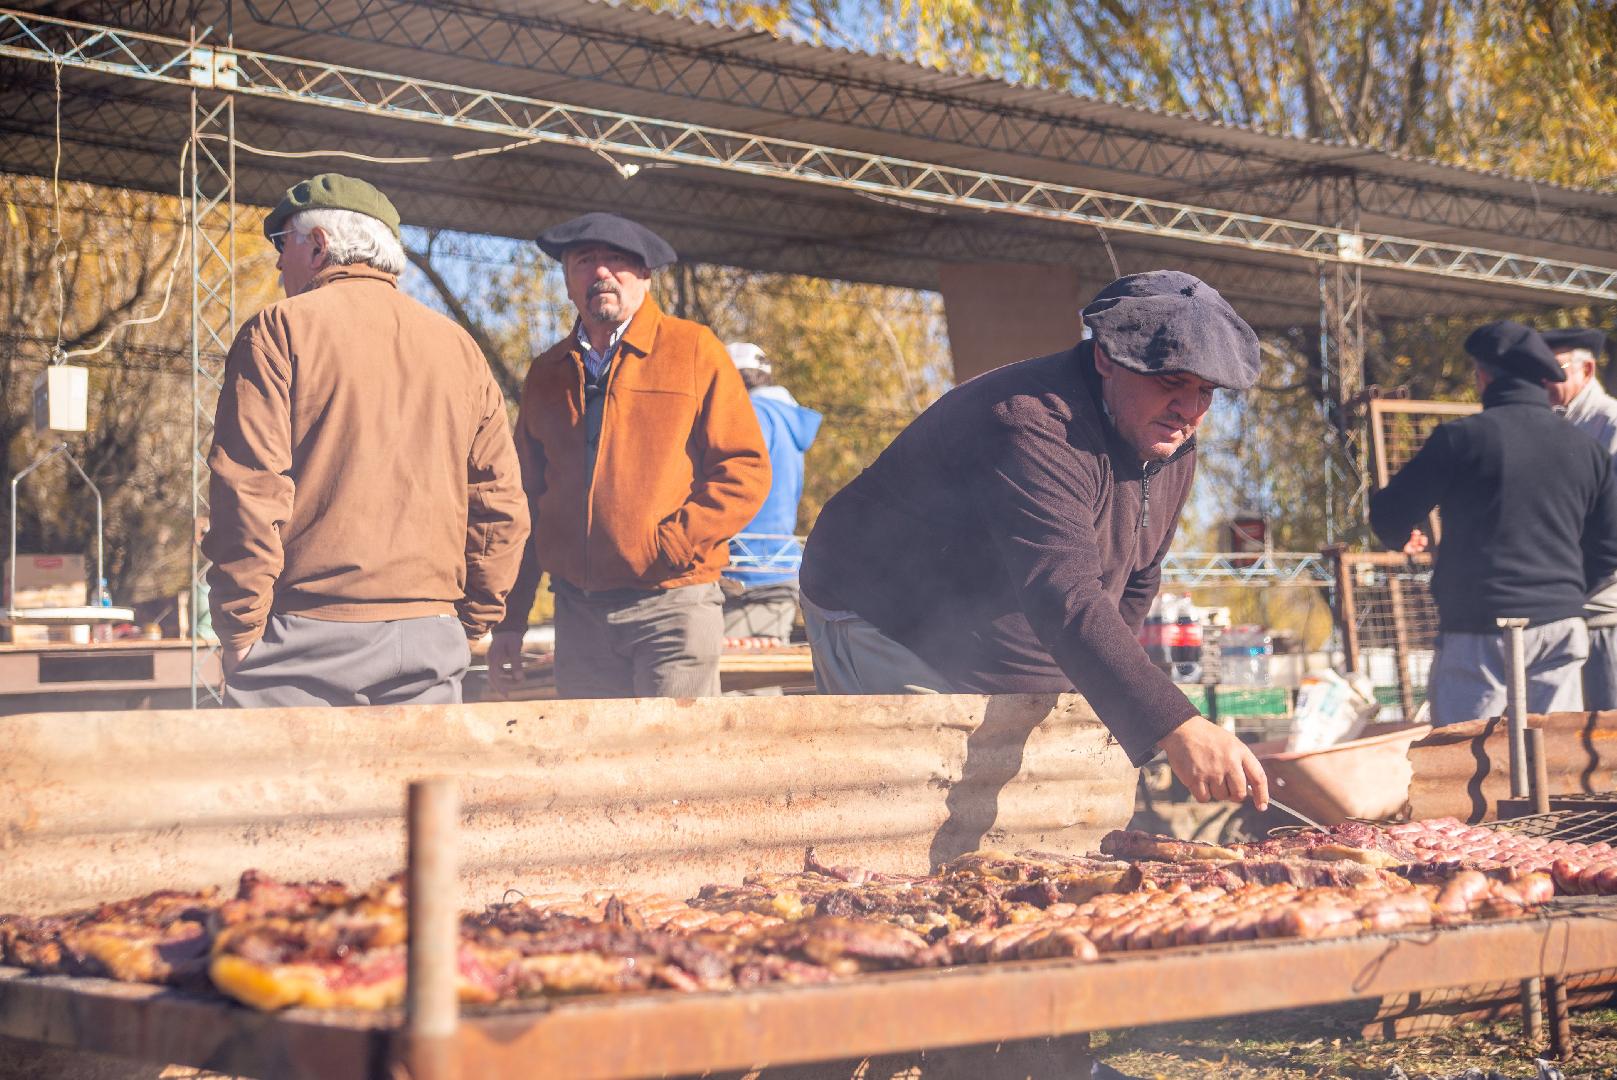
(1245, 656)
(1186, 648)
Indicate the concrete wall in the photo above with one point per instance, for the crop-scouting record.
(999, 313)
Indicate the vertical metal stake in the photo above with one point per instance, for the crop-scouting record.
(1539, 775)
(1533, 1012)
(1516, 686)
(431, 1002)
(1560, 1022)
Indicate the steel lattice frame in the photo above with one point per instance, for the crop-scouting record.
(1196, 569)
(537, 43)
(212, 213)
(335, 86)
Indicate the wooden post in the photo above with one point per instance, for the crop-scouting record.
(1400, 645)
(431, 996)
(1345, 613)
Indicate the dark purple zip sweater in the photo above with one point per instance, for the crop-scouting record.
(1011, 539)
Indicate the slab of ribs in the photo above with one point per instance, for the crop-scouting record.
(272, 944)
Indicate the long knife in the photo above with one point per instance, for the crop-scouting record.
(1304, 818)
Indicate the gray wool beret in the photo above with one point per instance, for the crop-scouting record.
(1513, 349)
(619, 232)
(1166, 321)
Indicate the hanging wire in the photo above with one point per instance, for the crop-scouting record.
(168, 288)
(374, 160)
(56, 222)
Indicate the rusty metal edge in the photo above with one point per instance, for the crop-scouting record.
(657, 1034)
(667, 1035)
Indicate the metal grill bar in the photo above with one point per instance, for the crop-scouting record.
(162, 59)
(1582, 826)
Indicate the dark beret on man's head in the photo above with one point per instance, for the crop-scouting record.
(1579, 337)
(619, 232)
(1513, 349)
(1165, 321)
(332, 191)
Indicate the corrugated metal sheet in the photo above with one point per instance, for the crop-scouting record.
(1463, 770)
(566, 794)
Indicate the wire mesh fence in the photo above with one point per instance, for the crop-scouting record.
(1399, 427)
(1385, 616)
(1387, 622)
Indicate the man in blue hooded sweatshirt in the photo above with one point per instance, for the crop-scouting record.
(761, 581)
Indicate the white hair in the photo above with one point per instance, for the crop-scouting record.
(352, 237)
(1578, 356)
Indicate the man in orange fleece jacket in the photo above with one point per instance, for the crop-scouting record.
(641, 457)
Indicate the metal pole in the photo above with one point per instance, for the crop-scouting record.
(1560, 1021)
(1539, 776)
(431, 1003)
(1533, 1011)
(1516, 687)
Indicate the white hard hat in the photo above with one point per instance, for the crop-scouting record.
(748, 357)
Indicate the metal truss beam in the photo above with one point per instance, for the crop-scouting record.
(642, 139)
(1197, 569)
(540, 43)
(708, 218)
(212, 212)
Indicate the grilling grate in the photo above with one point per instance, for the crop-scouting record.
(1582, 826)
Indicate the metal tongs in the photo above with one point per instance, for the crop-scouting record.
(1304, 818)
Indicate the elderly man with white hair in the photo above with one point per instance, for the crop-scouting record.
(367, 508)
(1582, 400)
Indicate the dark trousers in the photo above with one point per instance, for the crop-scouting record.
(629, 643)
(302, 661)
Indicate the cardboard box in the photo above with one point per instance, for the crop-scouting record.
(75, 634)
(47, 581)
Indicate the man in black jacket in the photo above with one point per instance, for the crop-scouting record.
(1010, 540)
(1529, 529)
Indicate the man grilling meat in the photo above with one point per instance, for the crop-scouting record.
(1529, 529)
(1011, 539)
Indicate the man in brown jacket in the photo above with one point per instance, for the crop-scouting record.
(367, 511)
(641, 456)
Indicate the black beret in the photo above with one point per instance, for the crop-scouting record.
(332, 191)
(1514, 349)
(1166, 321)
(621, 233)
(1576, 338)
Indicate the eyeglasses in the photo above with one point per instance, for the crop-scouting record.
(277, 238)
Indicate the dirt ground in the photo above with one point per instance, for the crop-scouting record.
(1327, 1043)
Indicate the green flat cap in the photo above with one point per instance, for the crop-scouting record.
(332, 191)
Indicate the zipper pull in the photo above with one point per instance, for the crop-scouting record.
(1145, 499)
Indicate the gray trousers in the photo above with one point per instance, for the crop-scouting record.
(1469, 671)
(762, 611)
(630, 643)
(1600, 670)
(851, 656)
(303, 661)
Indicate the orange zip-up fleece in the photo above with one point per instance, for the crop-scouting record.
(362, 463)
(681, 465)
